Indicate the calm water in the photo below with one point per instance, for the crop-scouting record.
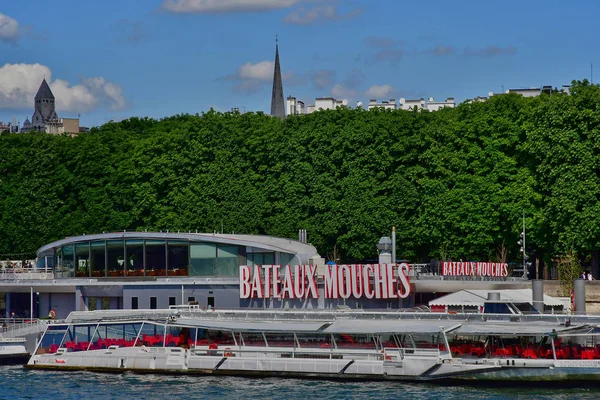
(18, 383)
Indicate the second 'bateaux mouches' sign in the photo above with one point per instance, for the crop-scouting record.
(371, 281)
(471, 268)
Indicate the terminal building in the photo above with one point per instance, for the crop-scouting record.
(153, 270)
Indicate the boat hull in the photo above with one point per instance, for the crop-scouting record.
(179, 361)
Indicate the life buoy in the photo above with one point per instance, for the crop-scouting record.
(227, 352)
(52, 314)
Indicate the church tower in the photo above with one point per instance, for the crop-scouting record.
(277, 104)
(44, 108)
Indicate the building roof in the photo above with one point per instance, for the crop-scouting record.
(44, 91)
(479, 297)
(304, 251)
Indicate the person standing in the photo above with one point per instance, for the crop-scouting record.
(589, 276)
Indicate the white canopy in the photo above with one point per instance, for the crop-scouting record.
(479, 297)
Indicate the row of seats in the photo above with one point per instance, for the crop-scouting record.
(545, 351)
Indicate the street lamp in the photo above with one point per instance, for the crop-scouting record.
(523, 248)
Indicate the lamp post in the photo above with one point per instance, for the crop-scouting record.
(523, 249)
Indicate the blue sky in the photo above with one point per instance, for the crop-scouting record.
(113, 59)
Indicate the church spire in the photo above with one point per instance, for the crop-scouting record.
(277, 104)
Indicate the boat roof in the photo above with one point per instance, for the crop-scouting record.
(345, 322)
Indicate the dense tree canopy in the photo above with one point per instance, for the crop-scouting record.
(455, 182)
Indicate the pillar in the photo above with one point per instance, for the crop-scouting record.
(7, 304)
(579, 292)
(537, 291)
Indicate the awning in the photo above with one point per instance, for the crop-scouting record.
(479, 297)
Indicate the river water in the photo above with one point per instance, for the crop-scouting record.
(19, 383)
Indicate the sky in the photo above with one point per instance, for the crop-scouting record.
(114, 59)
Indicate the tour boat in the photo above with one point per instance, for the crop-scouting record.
(336, 344)
(12, 351)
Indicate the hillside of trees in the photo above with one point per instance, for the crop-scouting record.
(455, 182)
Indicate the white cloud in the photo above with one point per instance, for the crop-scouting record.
(9, 28)
(20, 82)
(251, 78)
(262, 71)
(340, 91)
(322, 78)
(225, 6)
(379, 91)
(304, 16)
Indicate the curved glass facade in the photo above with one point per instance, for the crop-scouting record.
(134, 257)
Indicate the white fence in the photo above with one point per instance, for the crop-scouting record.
(18, 273)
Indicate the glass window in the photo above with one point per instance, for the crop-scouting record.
(116, 257)
(156, 262)
(106, 303)
(51, 339)
(66, 262)
(172, 301)
(286, 258)
(82, 259)
(203, 259)
(134, 303)
(191, 299)
(178, 258)
(122, 335)
(153, 303)
(92, 303)
(98, 259)
(152, 335)
(134, 266)
(227, 260)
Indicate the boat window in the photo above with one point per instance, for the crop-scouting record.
(344, 340)
(423, 341)
(122, 335)
(78, 337)
(134, 303)
(314, 340)
(51, 340)
(252, 339)
(179, 336)
(152, 335)
(153, 301)
(172, 301)
(280, 339)
(387, 341)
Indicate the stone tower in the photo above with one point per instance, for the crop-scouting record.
(44, 108)
(277, 104)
